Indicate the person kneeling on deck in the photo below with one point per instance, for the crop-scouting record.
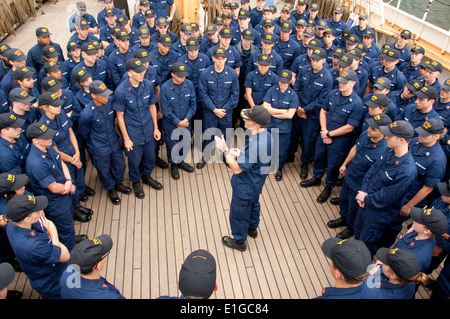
(250, 170)
(97, 127)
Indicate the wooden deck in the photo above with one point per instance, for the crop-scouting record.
(152, 236)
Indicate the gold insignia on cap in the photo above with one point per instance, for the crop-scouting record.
(393, 251)
(11, 178)
(31, 199)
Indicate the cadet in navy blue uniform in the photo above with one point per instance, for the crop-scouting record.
(49, 176)
(335, 22)
(422, 109)
(411, 68)
(34, 55)
(144, 43)
(368, 149)
(402, 46)
(281, 101)
(133, 32)
(139, 17)
(21, 108)
(162, 28)
(243, 24)
(359, 29)
(285, 46)
(258, 82)
(82, 14)
(385, 186)
(219, 91)
(210, 39)
(195, 62)
(404, 97)
(340, 115)
(250, 169)
(312, 87)
(119, 57)
(87, 259)
(388, 70)
(233, 56)
(97, 128)
(134, 103)
(96, 67)
(349, 264)
(18, 61)
(101, 16)
(110, 22)
(24, 78)
(36, 244)
(13, 149)
(163, 57)
(82, 33)
(432, 73)
(300, 11)
(397, 275)
(66, 144)
(267, 43)
(161, 8)
(178, 105)
(180, 45)
(428, 224)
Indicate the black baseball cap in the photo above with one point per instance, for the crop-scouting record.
(379, 120)
(179, 68)
(161, 22)
(414, 85)
(10, 182)
(211, 29)
(165, 40)
(81, 23)
(51, 84)
(427, 92)
(142, 55)
(122, 20)
(390, 54)
(264, 59)
(197, 276)
(144, 32)
(20, 206)
(406, 34)
(49, 98)
(81, 75)
(22, 73)
(377, 100)
(42, 32)
(287, 26)
(192, 43)
(49, 51)
(430, 126)
(258, 114)
(225, 32)
(219, 52)
(122, 35)
(345, 60)
(186, 28)
(90, 251)
(285, 76)
(444, 188)
(20, 95)
(435, 66)
(318, 54)
(51, 66)
(247, 34)
(382, 83)
(99, 88)
(135, 64)
(350, 256)
(268, 38)
(10, 120)
(314, 43)
(347, 75)
(7, 274)
(89, 48)
(401, 128)
(402, 261)
(432, 218)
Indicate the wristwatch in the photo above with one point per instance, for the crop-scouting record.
(328, 134)
(69, 180)
(226, 152)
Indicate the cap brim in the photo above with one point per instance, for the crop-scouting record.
(106, 93)
(422, 132)
(328, 245)
(55, 87)
(416, 214)
(382, 255)
(371, 122)
(341, 79)
(19, 182)
(443, 189)
(106, 243)
(386, 131)
(139, 69)
(389, 58)
(19, 122)
(47, 135)
(316, 57)
(182, 74)
(41, 203)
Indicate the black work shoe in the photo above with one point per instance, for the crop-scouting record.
(138, 191)
(113, 196)
(290, 158)
(334, 223)
(81, 217)
(123, 189)
(231, 243)
(174, 171)
(152, 182)
(83, 198)
(346, 233)
(186, 167)
(304, 172)
(84, 210)
(253, 233)
(334, 201)
(201, 164)
(80, 238)
(160, 163)
(311, 182)
(89, 191)
(279, 175)
(322, 198)
(340, 181)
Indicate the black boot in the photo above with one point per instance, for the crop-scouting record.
(311, 182)
(174, 171)
(279, 175)
(304, 172)
(231, 243)
(334, 223)
(346, 233)
(113, 196)
(322, 198)
(138, 191)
